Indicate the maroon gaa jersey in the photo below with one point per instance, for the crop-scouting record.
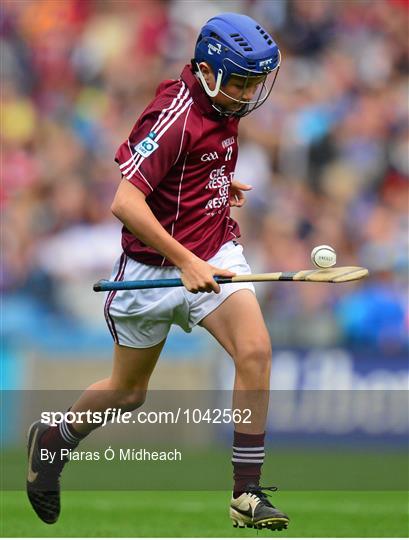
(181, 154)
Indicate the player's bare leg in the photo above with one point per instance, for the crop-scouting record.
(125, 388)
(238, 325)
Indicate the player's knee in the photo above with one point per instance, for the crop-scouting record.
(129, 400)
(254, 356)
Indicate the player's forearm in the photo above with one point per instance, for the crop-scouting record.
(130, 207)
(148, 229)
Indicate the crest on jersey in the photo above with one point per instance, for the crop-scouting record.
(146, 147)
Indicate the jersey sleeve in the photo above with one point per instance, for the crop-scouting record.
(155, 144)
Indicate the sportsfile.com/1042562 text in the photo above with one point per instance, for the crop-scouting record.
(179, 415)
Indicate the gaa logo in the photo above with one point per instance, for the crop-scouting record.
(209, 157)
(146, 147)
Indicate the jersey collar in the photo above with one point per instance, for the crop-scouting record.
(198, 94)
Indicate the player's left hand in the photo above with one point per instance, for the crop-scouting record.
(236, 195)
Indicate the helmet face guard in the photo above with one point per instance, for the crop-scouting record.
(236, 45)
(263, 91)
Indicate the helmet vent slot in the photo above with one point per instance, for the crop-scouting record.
(240, 40)
(265, 35)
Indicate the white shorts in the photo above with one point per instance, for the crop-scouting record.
(142, 318)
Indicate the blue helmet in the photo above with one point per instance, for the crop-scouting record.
(235, 44)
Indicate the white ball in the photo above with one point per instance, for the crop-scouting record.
(323, 256)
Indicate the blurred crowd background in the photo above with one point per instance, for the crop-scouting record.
(327, 156)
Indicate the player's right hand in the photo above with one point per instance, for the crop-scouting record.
(197, 275)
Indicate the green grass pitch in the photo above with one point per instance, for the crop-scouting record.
(195, 514)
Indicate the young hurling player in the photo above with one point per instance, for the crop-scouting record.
(177, 185)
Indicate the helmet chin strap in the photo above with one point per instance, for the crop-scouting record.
(211, 93)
